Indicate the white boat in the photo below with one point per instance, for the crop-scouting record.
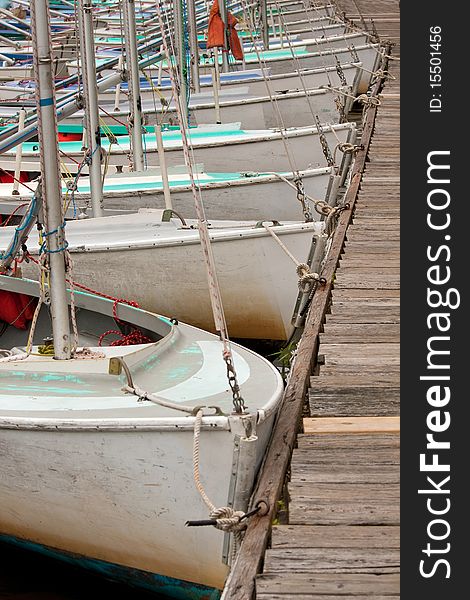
(281, 61)
(104, 478)
(214, 146)
(159, 264)
(236, 104)
(252, 79)
(108, 450)
(249, 195)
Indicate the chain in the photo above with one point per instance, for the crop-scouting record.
(340, 108)
(375, 33)
(238, 402)
(339, 70)
(214, 289)
(355, 56)
(299, 184)
(324, 144)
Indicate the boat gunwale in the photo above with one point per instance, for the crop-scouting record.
(256, 178)
(234, 234)
(245, 136)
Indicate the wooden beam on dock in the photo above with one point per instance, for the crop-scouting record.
(315, 425)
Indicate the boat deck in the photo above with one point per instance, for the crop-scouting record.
(342, 536)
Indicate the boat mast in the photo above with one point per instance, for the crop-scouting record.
(223, 16)
(193, 45)
(132, 66)
(85, 20)
(181, 57)
(263, 7)
(50, 176)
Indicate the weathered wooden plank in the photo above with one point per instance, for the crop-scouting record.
(323, 583)
(353, 333)
(340, 425)
(240, 584)
(351, 441)
(377, 315)
(312, 536)
(359, 263)
(365, 347)
(348, 337)
(375, 282)
(374, 248)
(347, 474)
(270, 596)
(301, 492)
(341, 293)
(336, 560)
(354, 403)
(344, 513)
(346, 360)
(352, 456)
(375, 372)
(355, 380)
(373, 236)
(379, 269)
(383, 229)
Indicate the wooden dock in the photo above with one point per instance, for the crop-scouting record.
(341, 541)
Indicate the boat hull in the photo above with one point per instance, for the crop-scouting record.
(368, 55)
(117, 499)
(160, 266)
(268, 153)
(250, 198)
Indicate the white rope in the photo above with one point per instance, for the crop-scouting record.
(282, 245)
(227, 519)
(214, 289)
(306, 278)
(73, 315)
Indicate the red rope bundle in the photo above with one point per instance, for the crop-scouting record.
(129, 339)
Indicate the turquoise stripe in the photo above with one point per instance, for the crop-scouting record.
(124, 140)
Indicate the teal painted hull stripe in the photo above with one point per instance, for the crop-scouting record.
(166, 586)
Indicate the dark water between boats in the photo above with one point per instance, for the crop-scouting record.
(29, 576)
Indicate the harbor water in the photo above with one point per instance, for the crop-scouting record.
(29, 576)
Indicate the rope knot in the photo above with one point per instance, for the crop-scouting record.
(307, 279)
(368, 100)
(348, 148)
(228, 519)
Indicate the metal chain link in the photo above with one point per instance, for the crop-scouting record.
(375, 33)
(340, 108)
(339, 70)
(355, 55)
(324, 144)
(238, 401)
(299, 184)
